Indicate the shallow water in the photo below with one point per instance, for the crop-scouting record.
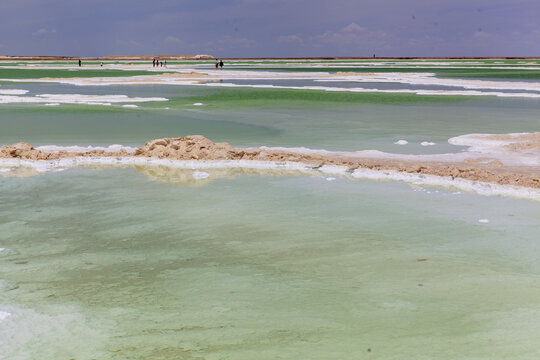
(307, 268)
(161, 263)
(270, 118)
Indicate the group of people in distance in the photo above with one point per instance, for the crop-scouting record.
(101, 64)
(157, 63)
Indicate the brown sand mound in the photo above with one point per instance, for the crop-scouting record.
(198, 147)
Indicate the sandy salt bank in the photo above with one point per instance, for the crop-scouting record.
(494, 164)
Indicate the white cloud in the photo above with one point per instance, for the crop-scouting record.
(354, 35)
(353, 28)
(173, 39)
(290, 39)
(42, 32)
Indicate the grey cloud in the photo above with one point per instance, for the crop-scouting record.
(271, 28)
(41, 32)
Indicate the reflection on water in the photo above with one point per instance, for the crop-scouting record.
(262, 267)
(197, 178)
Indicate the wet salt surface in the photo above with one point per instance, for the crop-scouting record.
(4, 315)
(57, 99)
(416, 91)
(342, 84)
(351, 84)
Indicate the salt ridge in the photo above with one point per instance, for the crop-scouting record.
(482, 188)
(78, 148)
(53, 99)
(12, 92)
(393, 91)
(394, 77)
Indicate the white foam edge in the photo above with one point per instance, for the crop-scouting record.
(478, 187)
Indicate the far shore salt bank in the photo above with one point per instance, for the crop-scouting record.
(511, 160)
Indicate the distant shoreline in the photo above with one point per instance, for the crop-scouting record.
(109, 58)
(210, 57)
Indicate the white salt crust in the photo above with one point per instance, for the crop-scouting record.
(12, 92)
(200, 175)
(530, 89)
(83, 149)
(4, 315)
(57, 99)
(482, 188)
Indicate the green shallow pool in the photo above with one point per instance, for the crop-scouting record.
(121, 264)
(271, 117)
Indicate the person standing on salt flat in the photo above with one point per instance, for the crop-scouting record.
(221, 64)
(80, 62)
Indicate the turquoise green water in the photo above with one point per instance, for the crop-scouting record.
(265, 267)
(255, 117)
(150, 263)
(65, 73)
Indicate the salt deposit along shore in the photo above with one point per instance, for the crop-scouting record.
(181, 75)
(502, 164)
